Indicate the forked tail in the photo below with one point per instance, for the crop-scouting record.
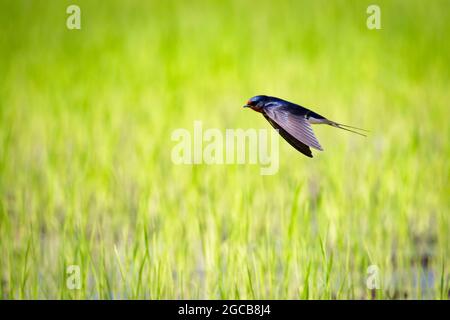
(346, 127)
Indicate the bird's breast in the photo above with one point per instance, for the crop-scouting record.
(257, 109)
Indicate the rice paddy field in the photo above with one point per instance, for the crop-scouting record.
(87, 182)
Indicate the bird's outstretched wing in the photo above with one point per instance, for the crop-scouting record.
(293, 121)
(298, 145)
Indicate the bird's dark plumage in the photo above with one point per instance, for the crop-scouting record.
(293, 121)
(298, 145)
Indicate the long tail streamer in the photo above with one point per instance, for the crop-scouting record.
(346, 127)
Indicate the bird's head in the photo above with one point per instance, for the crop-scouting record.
(257, 102)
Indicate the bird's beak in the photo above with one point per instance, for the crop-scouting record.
(246, 106)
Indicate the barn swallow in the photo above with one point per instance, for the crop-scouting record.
(293, 122)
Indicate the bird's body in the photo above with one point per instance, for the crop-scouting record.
(293, 121)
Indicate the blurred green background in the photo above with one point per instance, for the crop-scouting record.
(86, 176)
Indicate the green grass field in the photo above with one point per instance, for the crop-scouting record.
(86, 176)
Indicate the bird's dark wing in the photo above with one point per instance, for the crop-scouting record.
(298, 145)
(292, 120)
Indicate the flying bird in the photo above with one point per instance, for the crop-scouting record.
(294, 122)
